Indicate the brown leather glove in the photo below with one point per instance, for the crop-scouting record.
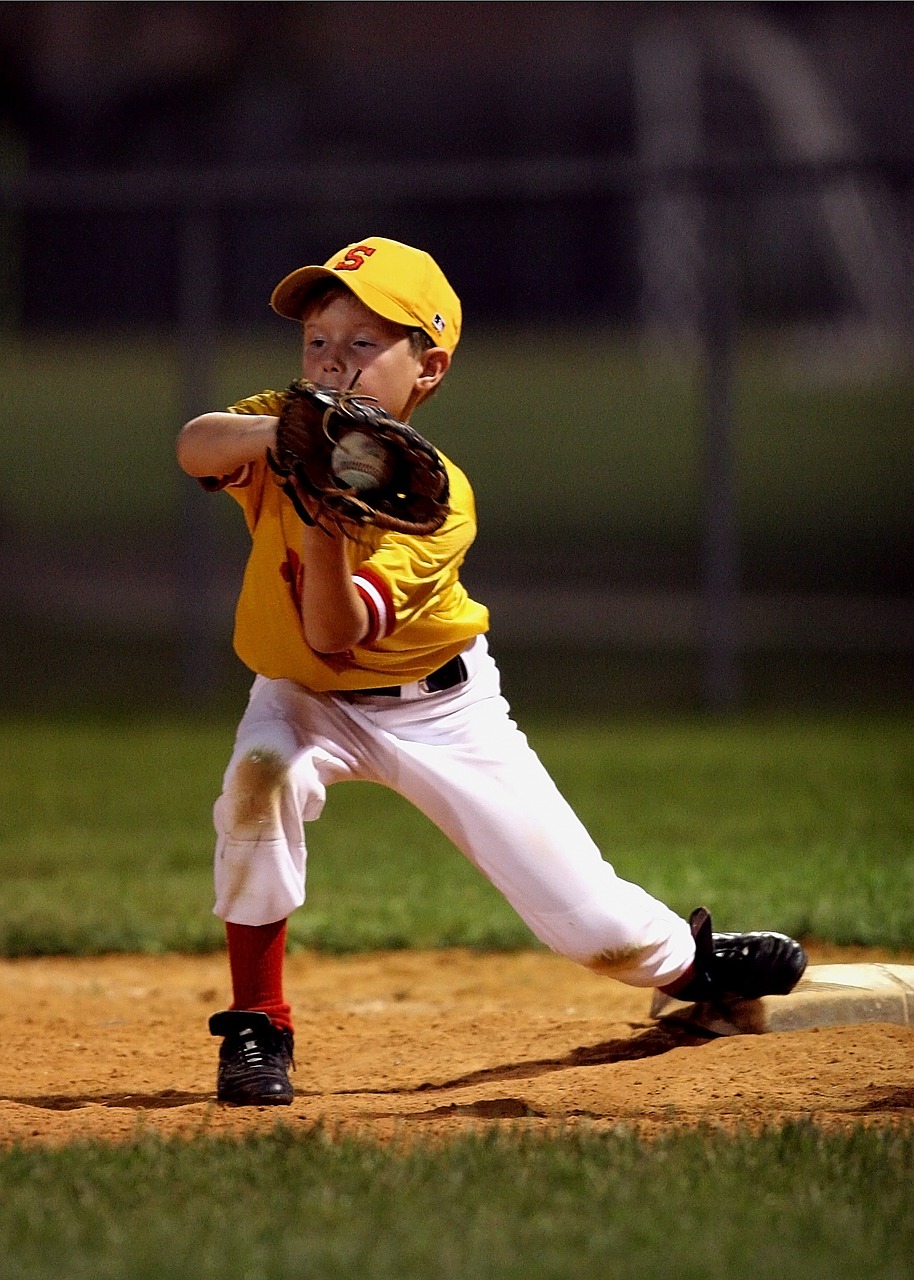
(356, 463)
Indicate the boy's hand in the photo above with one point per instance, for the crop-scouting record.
(408, 492)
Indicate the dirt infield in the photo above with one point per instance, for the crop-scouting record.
(417, 1045)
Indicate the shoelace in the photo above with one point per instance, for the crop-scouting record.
(252, 1052)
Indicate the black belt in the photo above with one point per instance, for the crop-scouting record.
(446, 677)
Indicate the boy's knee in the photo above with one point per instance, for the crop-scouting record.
(260, 854)
(254, 787)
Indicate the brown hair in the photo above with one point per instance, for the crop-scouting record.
(419, 340)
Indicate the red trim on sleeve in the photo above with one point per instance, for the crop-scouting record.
(373, 589)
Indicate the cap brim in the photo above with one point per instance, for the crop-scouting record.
(291, 294)
(288, 298)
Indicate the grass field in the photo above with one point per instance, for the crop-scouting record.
(689, 1207)
(806, 824)
(801, 822)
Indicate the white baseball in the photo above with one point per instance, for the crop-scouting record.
(360, 462)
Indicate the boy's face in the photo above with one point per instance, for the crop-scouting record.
(342, 339)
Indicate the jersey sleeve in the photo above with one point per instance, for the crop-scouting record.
(245, 483)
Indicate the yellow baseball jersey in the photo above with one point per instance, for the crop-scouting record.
(420, 613)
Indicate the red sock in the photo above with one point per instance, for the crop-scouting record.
(256, 956)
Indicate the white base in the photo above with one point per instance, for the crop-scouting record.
(828, 995)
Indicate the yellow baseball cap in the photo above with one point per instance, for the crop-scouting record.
(394, 280)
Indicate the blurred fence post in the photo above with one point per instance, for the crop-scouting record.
(197, 597)
(721, 594)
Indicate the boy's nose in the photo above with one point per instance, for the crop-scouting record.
(333, 365)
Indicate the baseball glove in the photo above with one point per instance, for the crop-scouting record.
(409, 490)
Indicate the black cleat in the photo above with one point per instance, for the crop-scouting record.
(741, 966)
(254, 1060)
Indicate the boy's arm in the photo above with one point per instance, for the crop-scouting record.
(216, 444)
(334, 616)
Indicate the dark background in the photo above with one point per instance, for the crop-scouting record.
(684, 177)
(256, 88)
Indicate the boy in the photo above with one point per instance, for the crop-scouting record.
(371, 663)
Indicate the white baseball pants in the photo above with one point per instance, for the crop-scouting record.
(459, 758)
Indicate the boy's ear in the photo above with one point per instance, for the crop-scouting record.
(435, 364)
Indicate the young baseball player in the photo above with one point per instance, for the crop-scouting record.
(370, 662)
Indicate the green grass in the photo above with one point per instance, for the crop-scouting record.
(789, 1202)
(804, 823)
(820, 462)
